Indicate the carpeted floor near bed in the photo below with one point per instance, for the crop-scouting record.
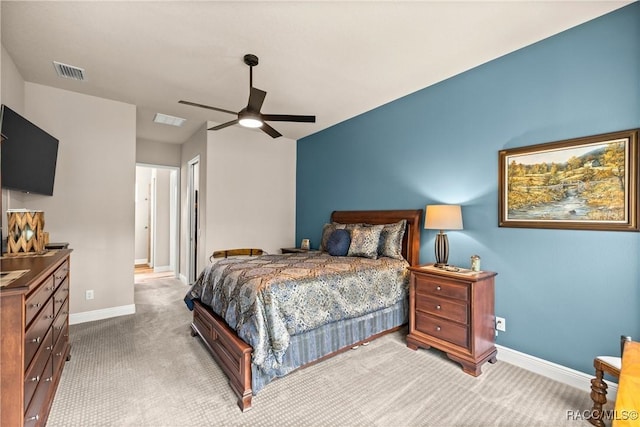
(147, 370)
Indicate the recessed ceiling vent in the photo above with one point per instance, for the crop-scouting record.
(69, 71)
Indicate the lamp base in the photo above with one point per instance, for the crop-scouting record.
(441, 249)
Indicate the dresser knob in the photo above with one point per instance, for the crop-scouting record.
(36, 305)
(438, 307)
(59, 354)
(35, 379)
(36, 340)
(34, 418)
(438, 328)
(438, 288)
(49, 347)
(49, 379)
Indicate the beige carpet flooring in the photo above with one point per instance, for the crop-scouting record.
(146, 370)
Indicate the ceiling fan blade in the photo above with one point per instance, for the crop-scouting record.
(224, 125)
(194, 104)
(256, 98)
(271, 131)
(288, 118)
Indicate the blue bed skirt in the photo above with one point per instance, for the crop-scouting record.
(313, 345)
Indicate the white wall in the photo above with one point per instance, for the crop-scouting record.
(12, 95)
(251, 189)
(158, 153)
(92, 206)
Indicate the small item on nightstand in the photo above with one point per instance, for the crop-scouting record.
(305, 245)
(623, 340)
(475, 262)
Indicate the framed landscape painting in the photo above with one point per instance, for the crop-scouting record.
(588, 183)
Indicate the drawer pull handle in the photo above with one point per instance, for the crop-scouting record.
(35, 379)
(48, 379)
(50, 316)
(438, 288)
(49, 347)
(34, 418)
(438, 328)
(36, 340)
(59, 327)
(438, 307)
(59, 301)
(59, 354)
(36, 305)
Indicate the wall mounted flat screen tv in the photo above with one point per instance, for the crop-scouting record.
(29, 155)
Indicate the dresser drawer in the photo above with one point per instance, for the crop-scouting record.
(35, 372)
(37, 409)
(446, 308)
(60, 349)
(436, 286)
(34, 336)
(38, 299)
(61, 273)
(443, 329)
(61, 295)
(61, 321)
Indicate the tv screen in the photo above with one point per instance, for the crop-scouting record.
(29, 155)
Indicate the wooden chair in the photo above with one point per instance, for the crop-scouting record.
(604, 365)
(612, 366)
(226, 253)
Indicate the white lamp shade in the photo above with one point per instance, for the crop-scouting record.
(443, 217)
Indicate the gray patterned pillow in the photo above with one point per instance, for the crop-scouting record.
(365, 240)
(391, 240)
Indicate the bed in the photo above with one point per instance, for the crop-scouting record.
(297, 335)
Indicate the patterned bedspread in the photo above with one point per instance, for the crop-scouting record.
(268, 299)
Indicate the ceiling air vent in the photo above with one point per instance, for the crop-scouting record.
(69, 71)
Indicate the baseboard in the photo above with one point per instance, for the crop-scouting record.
(183, 279)
(162, 269)
(141, 261)
(552, 370)
(105, 313)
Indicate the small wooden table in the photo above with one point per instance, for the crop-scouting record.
(603, 364)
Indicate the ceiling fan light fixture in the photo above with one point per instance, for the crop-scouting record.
(250, 121)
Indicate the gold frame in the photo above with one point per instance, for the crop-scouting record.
(540, 200)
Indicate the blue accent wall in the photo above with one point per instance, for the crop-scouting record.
(567, 295)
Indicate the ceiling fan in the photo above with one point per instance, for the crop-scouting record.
(250, 116)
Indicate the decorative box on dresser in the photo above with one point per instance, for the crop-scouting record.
(34, 323)
(453, 312)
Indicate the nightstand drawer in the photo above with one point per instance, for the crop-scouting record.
(442, 307)
(443, 329)
(436, 286)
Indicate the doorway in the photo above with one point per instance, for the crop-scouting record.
(193, 189)
(156, 219)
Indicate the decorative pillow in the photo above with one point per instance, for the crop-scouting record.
(391, 240)
(327, 229)
(365, 240)
(338, 243)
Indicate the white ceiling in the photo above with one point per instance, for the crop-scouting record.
(332, 59)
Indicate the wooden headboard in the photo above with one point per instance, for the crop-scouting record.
(411, 240)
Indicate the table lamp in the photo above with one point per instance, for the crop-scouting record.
(442, 217)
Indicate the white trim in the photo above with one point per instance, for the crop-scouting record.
(141, 261)
(552, 370)
(105, 313)
(183, 279)
(162, 269)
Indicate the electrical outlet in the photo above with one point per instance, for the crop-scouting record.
(501, 324)
(88, 295)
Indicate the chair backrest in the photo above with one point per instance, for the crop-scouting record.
(226, 253)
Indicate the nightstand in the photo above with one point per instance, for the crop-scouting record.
(453, 312)
(296, 250)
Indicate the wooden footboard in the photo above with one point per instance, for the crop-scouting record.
(232, 354)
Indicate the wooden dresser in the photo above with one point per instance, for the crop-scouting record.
(453, 312)
(34, 320)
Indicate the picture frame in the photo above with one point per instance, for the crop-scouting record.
(587, 183)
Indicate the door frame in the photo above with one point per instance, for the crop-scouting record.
(193, 199)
